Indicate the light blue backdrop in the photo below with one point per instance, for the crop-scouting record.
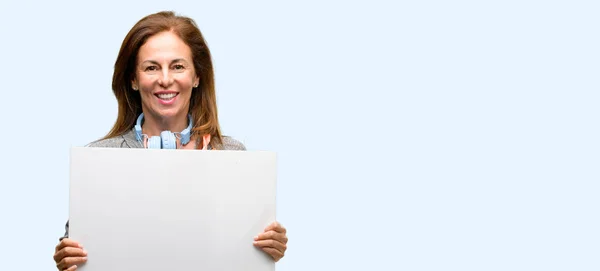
(412, 135)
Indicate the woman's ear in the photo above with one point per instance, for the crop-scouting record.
(196, 81)
(134, 85)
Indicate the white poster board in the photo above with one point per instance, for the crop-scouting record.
(142, 209)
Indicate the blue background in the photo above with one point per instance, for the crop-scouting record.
(412, 135)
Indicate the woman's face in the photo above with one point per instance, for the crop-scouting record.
(164, 76)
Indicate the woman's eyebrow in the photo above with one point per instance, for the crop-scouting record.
(173, 61)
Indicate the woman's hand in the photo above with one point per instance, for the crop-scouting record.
(273, 241)
(68, 254)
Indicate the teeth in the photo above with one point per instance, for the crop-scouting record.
(167, 96)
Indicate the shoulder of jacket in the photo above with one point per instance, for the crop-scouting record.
(126, 140)
(114, 142)
(229, 143)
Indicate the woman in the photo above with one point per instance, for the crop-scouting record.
(163, 81)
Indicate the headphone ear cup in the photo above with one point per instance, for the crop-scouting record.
(168, 140)
(154, 142)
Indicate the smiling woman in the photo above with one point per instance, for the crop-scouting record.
(164, 77)
(164, 85)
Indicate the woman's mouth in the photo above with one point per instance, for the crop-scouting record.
(166, 98)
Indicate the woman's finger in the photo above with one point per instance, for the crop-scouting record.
(275, 254)
(69, 252)
(68, 262)
(272, 244)
(281, 237)
(72, 268)
(67, 243)
(275, 226)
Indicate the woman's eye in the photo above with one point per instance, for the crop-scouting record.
(179, 67)
(151, 68)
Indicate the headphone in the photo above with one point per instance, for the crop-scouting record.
(167, 139)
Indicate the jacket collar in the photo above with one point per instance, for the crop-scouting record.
(131, 141)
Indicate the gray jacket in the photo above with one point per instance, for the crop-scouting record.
(128, 140)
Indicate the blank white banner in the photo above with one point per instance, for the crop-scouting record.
(141, 209)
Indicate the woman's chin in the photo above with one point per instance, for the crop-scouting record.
(169, 114)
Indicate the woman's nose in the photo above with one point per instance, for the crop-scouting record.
(166, 78)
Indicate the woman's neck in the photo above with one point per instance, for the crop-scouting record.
(153, 125)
